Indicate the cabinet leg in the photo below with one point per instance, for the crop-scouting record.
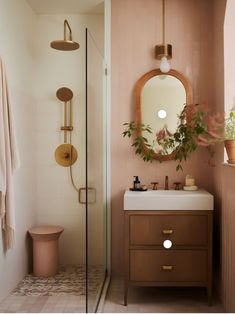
(125, 294)
(209, 296)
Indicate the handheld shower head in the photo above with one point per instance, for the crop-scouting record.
(64, 94)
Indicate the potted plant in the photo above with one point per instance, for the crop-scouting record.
(229, 137)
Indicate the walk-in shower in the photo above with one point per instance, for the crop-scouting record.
(65, 137)
(66, 155)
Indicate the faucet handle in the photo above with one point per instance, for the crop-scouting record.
(154, 185)
(177, 185)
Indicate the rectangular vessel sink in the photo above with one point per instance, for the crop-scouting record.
(168, 200)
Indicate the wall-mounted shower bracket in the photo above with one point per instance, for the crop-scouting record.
(67, 128)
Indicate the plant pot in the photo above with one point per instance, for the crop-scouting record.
(230, 148)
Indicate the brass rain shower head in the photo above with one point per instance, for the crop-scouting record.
(65, 44)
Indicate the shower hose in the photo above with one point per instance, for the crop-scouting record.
(71, 166)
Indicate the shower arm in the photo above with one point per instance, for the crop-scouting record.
(66, 23)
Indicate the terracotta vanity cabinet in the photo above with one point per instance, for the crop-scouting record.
(187, 263)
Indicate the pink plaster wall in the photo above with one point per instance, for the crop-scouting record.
(136, 29)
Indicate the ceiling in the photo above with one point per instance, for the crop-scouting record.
(67, 6)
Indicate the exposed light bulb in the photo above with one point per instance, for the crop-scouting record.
(165, 65)
(162, 114)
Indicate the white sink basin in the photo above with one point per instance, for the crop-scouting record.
(168, 200)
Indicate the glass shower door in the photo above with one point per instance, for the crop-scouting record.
(95, 173)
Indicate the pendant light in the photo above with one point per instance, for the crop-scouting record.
(164, 51)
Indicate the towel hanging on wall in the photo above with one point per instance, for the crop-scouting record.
(9, 161)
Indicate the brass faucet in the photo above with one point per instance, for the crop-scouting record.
(166, 183)
(156, 183)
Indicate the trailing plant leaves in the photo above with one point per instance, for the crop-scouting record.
(186, 138)
(140, 142)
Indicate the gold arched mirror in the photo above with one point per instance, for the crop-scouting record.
(160, 98)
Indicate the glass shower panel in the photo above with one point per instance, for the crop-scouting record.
(95, 172)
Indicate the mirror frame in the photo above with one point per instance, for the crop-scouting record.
(138, 89)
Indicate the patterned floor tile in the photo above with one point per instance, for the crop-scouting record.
(63, 293)
(71, 280)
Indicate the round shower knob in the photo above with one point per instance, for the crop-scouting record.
(66, 155)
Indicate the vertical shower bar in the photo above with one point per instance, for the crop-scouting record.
(70, 113)
(65, 121)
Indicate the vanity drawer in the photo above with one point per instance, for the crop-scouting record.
(168, 266)
(180, 229)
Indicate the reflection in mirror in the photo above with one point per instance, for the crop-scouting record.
(160, 98)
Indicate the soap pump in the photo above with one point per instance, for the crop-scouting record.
(136, 183)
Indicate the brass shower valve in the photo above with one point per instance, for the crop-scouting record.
(66, 155)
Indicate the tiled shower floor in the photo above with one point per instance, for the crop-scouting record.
(63, 293)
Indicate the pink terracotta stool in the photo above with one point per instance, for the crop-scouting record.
(45, 250)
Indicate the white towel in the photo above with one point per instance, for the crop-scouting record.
(9, 161)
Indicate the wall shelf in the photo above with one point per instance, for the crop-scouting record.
(226, 164)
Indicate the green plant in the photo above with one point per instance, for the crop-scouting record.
(196, 127)
(229, 127)
(140, 142)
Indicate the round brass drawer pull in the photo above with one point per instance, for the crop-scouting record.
(167, 232)
(167, 267)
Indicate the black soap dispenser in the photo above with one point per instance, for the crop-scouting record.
(136, 183)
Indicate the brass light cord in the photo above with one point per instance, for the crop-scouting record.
(163, 50)
(163, 21)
